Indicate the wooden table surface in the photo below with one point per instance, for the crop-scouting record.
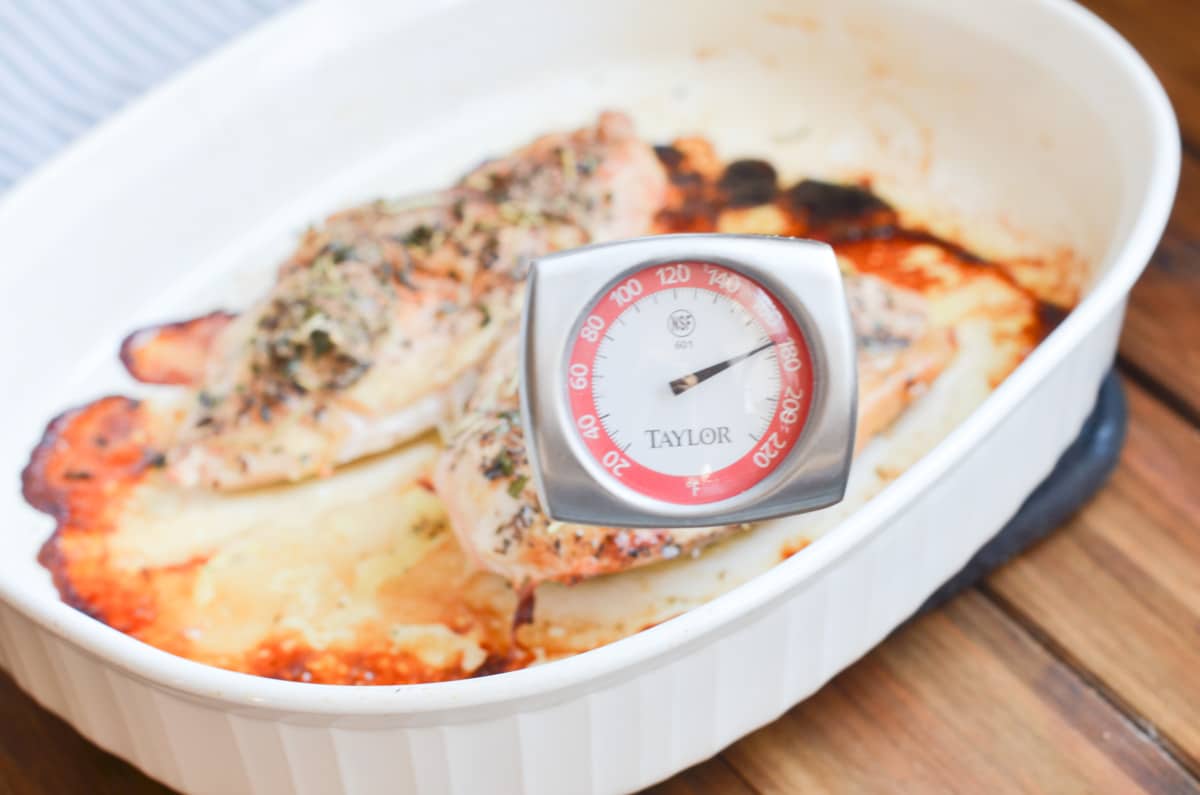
(1074, 668)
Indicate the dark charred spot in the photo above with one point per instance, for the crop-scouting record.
(695, 201)
(524, 612)
(1050, 316)
(825, 202)
(669, 156)
(746, 183)
(77, 474)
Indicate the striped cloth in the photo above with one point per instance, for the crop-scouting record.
(66, 64)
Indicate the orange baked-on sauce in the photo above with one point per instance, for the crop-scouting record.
(91, 458)
(705, 195)
(81, 472)
(87, 464)
(174, 353)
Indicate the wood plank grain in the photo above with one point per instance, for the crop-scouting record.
(1162, 332)
(960, 700)
(1161, 339)
(1117, 591)
(716, 775)
(40, 754)
(1164, 32)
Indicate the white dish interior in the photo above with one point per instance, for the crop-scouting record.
(1023, 128)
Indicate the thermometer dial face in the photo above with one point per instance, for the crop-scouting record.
(689, 382)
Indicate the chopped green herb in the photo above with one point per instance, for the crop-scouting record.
(420, 236)
(340, 251)
(502, 464)
(486, 314)
(322, 343)
(517, 486)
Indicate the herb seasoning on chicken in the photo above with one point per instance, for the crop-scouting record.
(375, 326)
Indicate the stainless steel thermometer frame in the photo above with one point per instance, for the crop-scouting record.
(802, 274)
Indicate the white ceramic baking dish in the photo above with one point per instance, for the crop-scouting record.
(1024, 127)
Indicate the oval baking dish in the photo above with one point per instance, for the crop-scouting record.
(1024, 128)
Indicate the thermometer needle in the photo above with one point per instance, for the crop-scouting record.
(686, 382)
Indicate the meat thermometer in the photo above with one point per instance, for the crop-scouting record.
(688, 380)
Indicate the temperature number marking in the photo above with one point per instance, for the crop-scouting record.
(578, 375)
(791, 356)
(589, 426)
(789, 411)
(772, 446)
(678, 273)
(726, 280)
(615, 462)
(630, 308)
(767, 310)
(626, 292)
(592, 328)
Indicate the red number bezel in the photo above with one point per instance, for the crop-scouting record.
(742, 474)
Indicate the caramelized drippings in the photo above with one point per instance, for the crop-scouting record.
(92, 459)
(858, 223)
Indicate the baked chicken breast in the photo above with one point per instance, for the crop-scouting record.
(485, 482)
(375, 326)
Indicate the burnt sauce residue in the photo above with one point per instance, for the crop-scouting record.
(849, 217)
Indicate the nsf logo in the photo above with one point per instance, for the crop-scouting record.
(681, 322)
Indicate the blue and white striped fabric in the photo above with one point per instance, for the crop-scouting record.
(66, 64)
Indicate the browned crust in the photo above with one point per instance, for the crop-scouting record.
(91, 458)
(290, 658)
(173, 353)
(88, 462)
(80, 473)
